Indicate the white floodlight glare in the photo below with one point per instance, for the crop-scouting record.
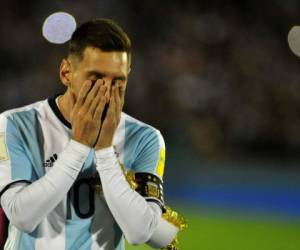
(59, 27)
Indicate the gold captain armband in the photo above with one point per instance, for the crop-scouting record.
(150, 187)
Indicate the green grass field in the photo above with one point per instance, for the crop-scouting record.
(211, 232)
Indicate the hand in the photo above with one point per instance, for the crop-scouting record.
(86, 112)
(112, 118)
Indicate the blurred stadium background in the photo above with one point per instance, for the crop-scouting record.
(220, 82)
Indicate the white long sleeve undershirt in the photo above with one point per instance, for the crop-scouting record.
(139, 220)
(38, 199)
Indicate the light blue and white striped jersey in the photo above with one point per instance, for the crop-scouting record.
(31, 139)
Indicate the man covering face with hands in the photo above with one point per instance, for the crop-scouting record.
(96, 82)
(64, 161)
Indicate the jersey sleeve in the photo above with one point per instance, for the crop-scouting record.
(150, 153)
(15, 165)
(149, 167)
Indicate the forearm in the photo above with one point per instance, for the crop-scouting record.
(38, 199)
(138, 220)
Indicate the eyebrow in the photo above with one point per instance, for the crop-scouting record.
(99, 74)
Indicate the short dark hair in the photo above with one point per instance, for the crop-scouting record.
(104, 34)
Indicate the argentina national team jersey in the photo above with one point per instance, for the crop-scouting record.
(31, 140)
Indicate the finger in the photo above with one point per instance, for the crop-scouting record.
(118, 105)
(100, 95)
(117, 95)
(83, 92)
(117, 101)
(122, 94)
(112, 103)
(92, 93)
(100, 107)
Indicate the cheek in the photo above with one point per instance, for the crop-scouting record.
(76, 84)
(74, 87)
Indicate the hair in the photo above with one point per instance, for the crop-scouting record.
(104, 34)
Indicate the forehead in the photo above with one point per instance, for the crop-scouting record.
(113, 62)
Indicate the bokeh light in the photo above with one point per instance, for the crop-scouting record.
(293, 40)
(58, 27)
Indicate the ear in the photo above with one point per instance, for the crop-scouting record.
(65, 72)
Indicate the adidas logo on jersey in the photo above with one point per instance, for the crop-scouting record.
(49, 163)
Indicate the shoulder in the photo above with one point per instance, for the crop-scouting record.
(139, 130)
(134, 125)
(144, 147)
(36, 108)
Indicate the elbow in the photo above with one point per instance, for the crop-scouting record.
(17, 218)
(137, 238)
(141, 231)
(164, 234)
(137, 234)
(23, 224)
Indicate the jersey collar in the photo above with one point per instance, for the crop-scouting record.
(56, 111)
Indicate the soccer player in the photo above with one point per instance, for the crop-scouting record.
(63, 161)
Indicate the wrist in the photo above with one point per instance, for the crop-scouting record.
(81, 141)
(105, 154)
(105, 151)
(79, 147)
(73, 157)
(103, 144)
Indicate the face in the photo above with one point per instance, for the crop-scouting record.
(112, 67)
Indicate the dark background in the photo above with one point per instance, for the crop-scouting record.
(216, 77)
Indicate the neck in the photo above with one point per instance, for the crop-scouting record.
(65, 105)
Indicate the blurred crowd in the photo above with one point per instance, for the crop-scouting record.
(217, 75)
